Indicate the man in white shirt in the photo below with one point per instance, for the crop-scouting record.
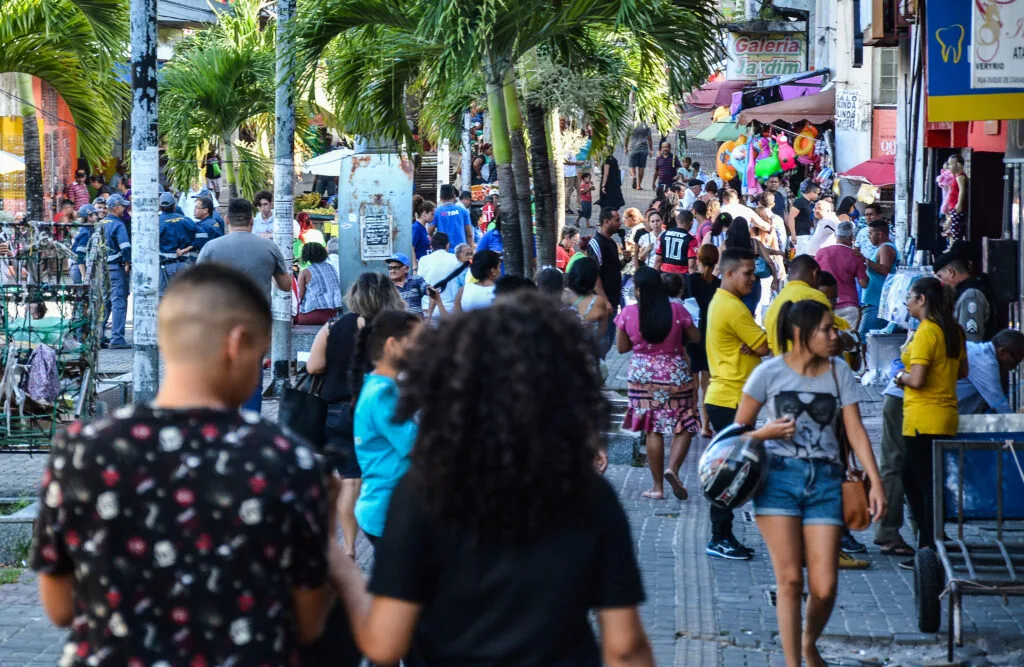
(572, 183)
(731, 205)
(693, 188)
(263, 221)
(434, 268)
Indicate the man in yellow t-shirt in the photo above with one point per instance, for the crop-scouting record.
(735, 345)
(801, 285)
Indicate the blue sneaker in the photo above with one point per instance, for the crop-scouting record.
(851, 545)
(728, 549)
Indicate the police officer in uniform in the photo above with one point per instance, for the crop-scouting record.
(119, 264)
(207, 228)
(176, 233)
(88, 216)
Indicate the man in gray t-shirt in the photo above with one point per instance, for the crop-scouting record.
(639, 146)
(253, 255)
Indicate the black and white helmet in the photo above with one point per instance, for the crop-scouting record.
(733, 467)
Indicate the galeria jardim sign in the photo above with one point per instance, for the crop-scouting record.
(753, 56)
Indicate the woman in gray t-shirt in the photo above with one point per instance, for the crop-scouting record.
(799, 509)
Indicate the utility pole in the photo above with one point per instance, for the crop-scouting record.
(145, 275)
(284, 170)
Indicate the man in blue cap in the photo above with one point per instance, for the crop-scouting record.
(119, 264)
(216, 218)
(88, 216)
(412, 288)
(176, 234)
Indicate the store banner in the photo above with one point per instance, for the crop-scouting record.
(883, 132)
(997, 53)
(761, 55)
(949, 69)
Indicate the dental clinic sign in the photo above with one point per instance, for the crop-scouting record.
(997, 48)
(761, 55)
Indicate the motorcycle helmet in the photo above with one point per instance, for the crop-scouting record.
(733, 467)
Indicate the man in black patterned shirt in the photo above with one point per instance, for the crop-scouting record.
(185, 532)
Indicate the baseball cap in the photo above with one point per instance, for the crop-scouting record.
(399, 257)
(99, 200)
(959, 250)
(466, 194)
(694, 181)
(167, 200)
(86, 211)
(116, 200)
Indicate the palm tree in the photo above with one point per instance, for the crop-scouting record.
(221, 81)
(432, 43)
(72, 45)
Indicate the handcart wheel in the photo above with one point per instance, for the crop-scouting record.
(928, 580)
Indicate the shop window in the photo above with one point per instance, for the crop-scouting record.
(885, 75)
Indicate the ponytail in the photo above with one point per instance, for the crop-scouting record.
(802, 315)
(707, 256)
(939, 301)
(370, 342)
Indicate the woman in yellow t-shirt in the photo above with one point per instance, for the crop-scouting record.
(934, 358)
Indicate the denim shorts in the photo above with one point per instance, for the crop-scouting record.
(807, 488)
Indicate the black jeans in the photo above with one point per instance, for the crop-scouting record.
(721, 518)
(918, 485)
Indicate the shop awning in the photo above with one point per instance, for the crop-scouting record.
(878, 171)
(722, 131)
(715, 94)
(818, 108)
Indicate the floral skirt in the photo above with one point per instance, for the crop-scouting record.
(662, 395)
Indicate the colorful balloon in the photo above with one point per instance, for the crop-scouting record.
(787, 156)
(722, 161)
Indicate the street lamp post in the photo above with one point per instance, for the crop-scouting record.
(145, 166)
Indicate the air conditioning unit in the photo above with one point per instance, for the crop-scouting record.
(884, 21)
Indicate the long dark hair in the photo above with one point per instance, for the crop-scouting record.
(723, 220)
(738, 235)
(655, 309)
(938, 307)
(370, 343)
(802, 315)
(520, 464)
(707, 257)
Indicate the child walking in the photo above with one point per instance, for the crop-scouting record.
(586, 196)
(382, 445)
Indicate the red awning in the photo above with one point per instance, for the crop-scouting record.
(714, 94)
(817, 108)
(877, 171)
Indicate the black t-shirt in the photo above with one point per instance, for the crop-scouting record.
(492, 604)
(804, 223)
(674, 247)
(779, 207)
(185, 532)
(611, 268)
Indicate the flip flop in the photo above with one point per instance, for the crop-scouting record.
(652, 495)
(678, 490)
(897, 549)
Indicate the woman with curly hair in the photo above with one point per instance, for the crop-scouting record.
(661, 388)
(502, 536)
(331, 356)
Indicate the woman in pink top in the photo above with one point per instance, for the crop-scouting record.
(662, 392)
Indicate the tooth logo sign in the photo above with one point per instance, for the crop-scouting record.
(951, 40)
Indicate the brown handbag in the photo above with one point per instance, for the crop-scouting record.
(856, 485)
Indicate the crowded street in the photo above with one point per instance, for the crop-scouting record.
(340, 334)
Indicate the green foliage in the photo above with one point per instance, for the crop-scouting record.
(9, 575)
(72, 45)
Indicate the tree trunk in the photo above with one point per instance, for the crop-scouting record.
(557, 168)
(33, 156)
(520, 170)
(511, 236)
(544, 195)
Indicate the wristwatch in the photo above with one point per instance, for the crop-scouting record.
(899, 376)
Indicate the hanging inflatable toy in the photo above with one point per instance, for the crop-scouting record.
(769, 165)
(803, 145)
(738, 158)
(725, 170)
(787, 156)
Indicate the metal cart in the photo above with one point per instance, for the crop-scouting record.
(978, 488)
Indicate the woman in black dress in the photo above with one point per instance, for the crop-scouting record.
(611, 185)
(701, 286)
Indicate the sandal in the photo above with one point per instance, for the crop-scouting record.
(653, 495)
(897, 549)
(678, 490)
